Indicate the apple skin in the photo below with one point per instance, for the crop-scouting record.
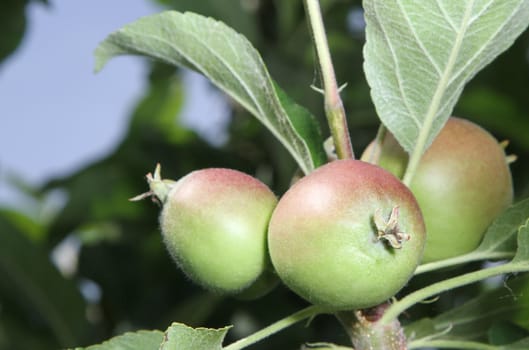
(463, 182)
(323, 240)
(214, 223)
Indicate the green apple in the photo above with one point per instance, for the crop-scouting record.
(347, 236)
(463, 182)
(214, 224)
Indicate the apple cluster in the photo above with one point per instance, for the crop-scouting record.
(347, 236)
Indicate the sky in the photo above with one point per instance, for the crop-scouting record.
(56, 115)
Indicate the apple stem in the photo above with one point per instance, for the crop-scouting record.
(334, 109)
(367, 332)
(462, 259)
(308, 312)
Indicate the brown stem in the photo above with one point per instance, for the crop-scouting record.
(367, 333)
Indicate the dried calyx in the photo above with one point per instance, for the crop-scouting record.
(158, 188)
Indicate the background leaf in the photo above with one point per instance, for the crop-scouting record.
(305, 125)
(182, 337)
(239, 15)
(13, 24)
(420, 55)
(522, 252)
(473, 320)
(501, 235)
(227, 58)
(519, 345)
(505, 333)
(31, 285)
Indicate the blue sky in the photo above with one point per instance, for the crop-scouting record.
(55, 113)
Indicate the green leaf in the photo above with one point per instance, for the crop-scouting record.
(473, 320)
(520, 263)
(305, 125)
(420, 54)
(36, 287)
(227, 58)
(17, 334)
(12, 25)
(24, 223)
(182, 337)
(159, 110)
(501, 235)
(238, 14)
(522, 253)
(423, 328)
(140, 340)
(196, 309)
(519, 345)
(504, 332)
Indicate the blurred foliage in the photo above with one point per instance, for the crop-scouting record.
(128, 280)
(13, 24)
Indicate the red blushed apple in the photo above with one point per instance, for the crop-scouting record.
(347, 236)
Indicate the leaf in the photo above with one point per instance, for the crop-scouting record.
(519, 345)
(17, 334)
(520, 263)
(182, 337)
(419, 329)
(522, 253)
(501, 333)
(501, 235)
(140, 340)
(196, 309)
(227, 58)
(30, 282)
(24, 223)
(420, 54)
(12, 25)
(472, 320)
(158, 111)
(305, 125)
(234, 12)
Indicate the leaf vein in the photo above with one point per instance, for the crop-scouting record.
(484, 47)
(418, 39)
(446, 16)
(397, 70)
(258, 111)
